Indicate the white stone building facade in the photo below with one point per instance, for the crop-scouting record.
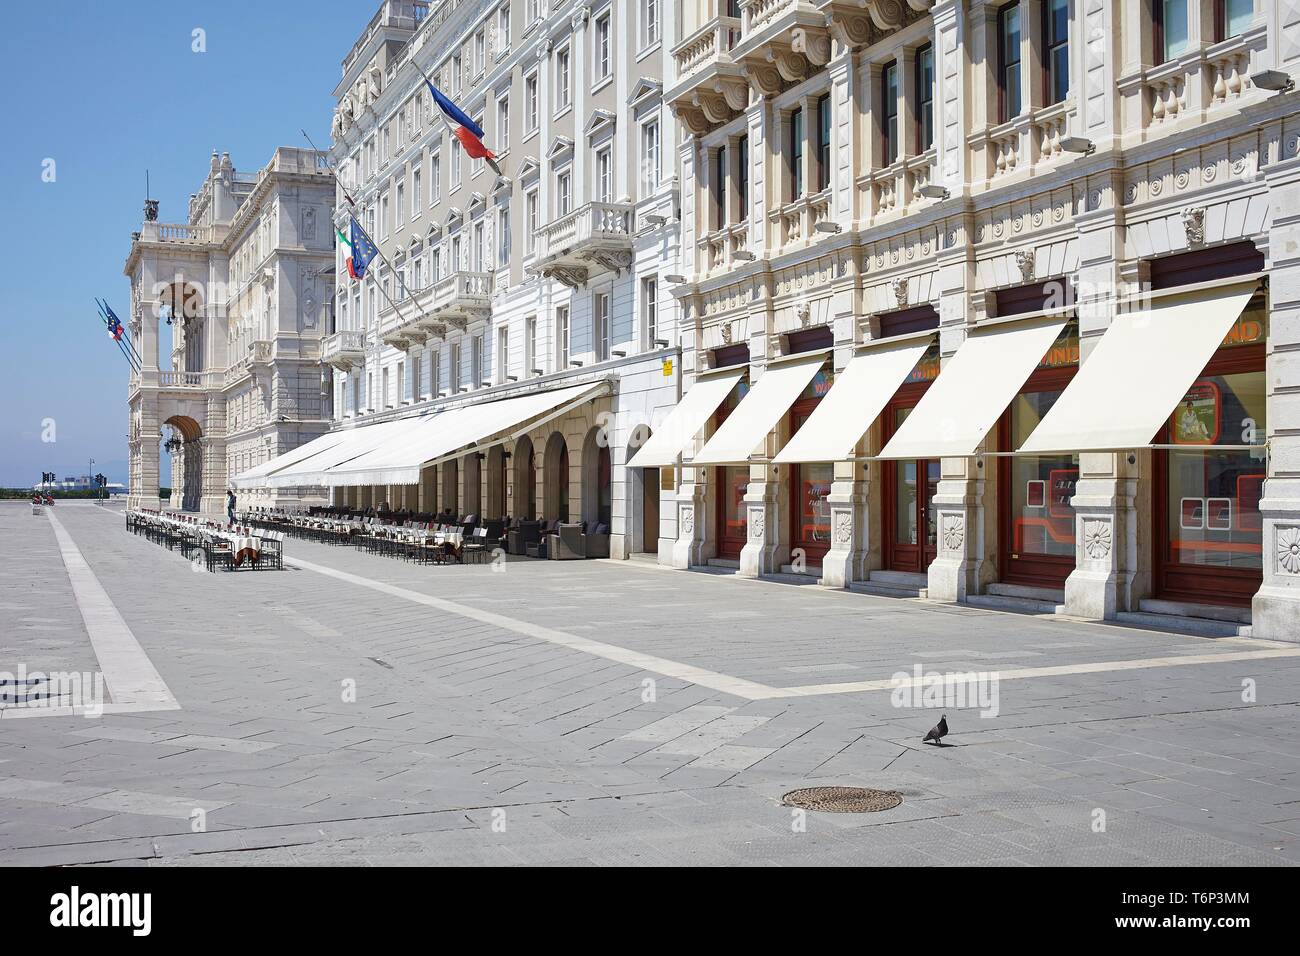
(245, 285)
(858, 176)
(493, 287)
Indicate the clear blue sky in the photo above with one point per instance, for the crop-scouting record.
(108, 90)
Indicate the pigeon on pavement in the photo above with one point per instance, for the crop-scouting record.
(938, 731)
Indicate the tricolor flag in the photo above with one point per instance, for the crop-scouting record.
(363, 250)
(463, 128)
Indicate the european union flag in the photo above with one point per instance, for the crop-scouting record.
(363, 250)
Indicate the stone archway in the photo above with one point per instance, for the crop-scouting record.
(524, 495)
(185, 444)
(555, 479)
(597, 479)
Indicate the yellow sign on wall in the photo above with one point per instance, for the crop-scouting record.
(668, 368)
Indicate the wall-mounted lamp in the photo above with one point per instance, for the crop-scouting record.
(934, 191)
(1274, 80)
(655, 219)
(1078, 144)
(826, 225)
(537, 371)
(575, 363)
(744, 255)
(661, 343)
(618, 353)
(512, 378)
(674, 278)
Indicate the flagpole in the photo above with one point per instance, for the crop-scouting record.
(104, 312)
(125, 354)
(362, 229)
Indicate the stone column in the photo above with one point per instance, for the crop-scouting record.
(692, 499)
(766, 542)
(1275, 610)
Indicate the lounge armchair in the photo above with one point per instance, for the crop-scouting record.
(565, 542)
(595, 540)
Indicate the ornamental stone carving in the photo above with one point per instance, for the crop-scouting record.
(1194, 225)
(899, 289)
(1096, 539)
(954, 532)
(843, 527)
(688, 521)
(1288, 551)
(757, 525)
(1025, 263)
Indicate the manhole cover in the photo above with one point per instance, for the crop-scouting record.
(843, 799)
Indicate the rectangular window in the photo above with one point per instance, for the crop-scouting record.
(480, 52)
(457, 71)
(796, 154)
(370, 391)
(503, 27)
(435, 264)
(435, 373)
(650, 309)
(823, 143)
(563, 194)
(456, 263)
(530, 346)
(925, 98)
(530, 222)
(384, 218)
(476, 248)
(503, 124)
(562, 91)
(600, 325)
(503, 237)
(604, 175)
(719, 187)
(456, 152)
(417, 367)
(383, 148)
(1056, 50)
(742, 177)
(415, 192)
(1234, 17)
(401, 383)
(1171, 28)
(534, 10)
(561, 338)
(401, 204)
(531, 116)
(889, 114)
(387, 397)
(435, 179)
(476, 361)
(650, 159)
(503, 354)
(1009, 61)
(600, 52)
(454, 371)
(649, 23)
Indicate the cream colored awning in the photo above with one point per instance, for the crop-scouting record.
(400, 460)
(771, 396)
(1135, 376)
(974, 388)
(686, 419)
(858, 396)
(256, 477)
(356, 441)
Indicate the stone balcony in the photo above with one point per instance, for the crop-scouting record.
(453, 301)
(711, 87)
(175, 232)
(345, 349)
(1024, 144)
(781, 43)
(257, 358)
(595, 236)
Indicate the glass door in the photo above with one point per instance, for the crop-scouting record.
(810, 489)
(911, 525)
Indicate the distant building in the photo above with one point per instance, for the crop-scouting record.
(79, 483)
(245, 285)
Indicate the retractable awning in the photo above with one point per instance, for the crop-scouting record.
(356, 441)
(256, 477)
(974, 388)
(1135, 376)
(858, 396)
(686, 419)
(771, 396)
(400, 460)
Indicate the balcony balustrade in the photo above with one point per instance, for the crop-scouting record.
(596, 235)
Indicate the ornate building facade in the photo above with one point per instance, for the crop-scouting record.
(492, 288)
(1036, 263)
(244, 285)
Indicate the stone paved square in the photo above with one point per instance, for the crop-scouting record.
(356, 709)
